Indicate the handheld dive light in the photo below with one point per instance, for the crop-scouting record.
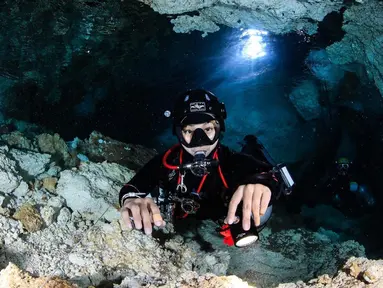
(241, 237)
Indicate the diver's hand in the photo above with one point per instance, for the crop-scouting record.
(143, 212)
(255, 197)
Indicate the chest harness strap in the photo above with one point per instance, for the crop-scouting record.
(180, 175)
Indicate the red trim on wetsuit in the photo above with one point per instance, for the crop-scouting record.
(173, 167)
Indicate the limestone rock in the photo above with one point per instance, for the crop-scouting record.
(32, 162)
(55, 145)
(56, 202)
(49, 183)
(53, 171)
(48, 214)
(10, 230)
(284, 256)
(29, 217)
(211, 280)
(9, 179)
(187, 280)
(13, 277)
(305, 98)
(18, 140)
(85, 248)
(100, 148)
(363, 40)
(361, 44)
(22, 190)
(93, 188)
(356, 272)
(276, 16)
(64, 216)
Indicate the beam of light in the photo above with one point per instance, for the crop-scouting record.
(253, 45)
(248, 53)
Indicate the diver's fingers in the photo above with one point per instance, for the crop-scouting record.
(136, 213)
(265, 200)
(235, 200)
(126, 217)
(257, 203)
(247, 206)
(155, 213)
(146, 218)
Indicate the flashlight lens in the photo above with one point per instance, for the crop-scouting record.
(246, 240)
(243, 238)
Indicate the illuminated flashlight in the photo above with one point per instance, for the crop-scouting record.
(241, 237)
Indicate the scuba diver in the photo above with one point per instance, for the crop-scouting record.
(201, 178)
(252, 146)
(346, 194)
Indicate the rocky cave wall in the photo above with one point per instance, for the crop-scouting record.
(363, 24)
(61, 221)
(46, 231)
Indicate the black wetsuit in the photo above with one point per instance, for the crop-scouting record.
(237, 169)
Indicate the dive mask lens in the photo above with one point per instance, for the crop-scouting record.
(200, 138)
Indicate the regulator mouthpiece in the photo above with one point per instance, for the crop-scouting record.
(200, 165)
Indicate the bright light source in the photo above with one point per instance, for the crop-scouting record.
(246, 240)
(253, 45)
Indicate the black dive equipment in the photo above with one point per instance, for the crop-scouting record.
(284, 178)
(200, 165)
(241, 237)
(196, 107)
(254, 148)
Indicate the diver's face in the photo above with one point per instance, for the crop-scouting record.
(209, 128)
(188, 130)
(343, 169)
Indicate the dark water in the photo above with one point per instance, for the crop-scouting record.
(117, 67)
